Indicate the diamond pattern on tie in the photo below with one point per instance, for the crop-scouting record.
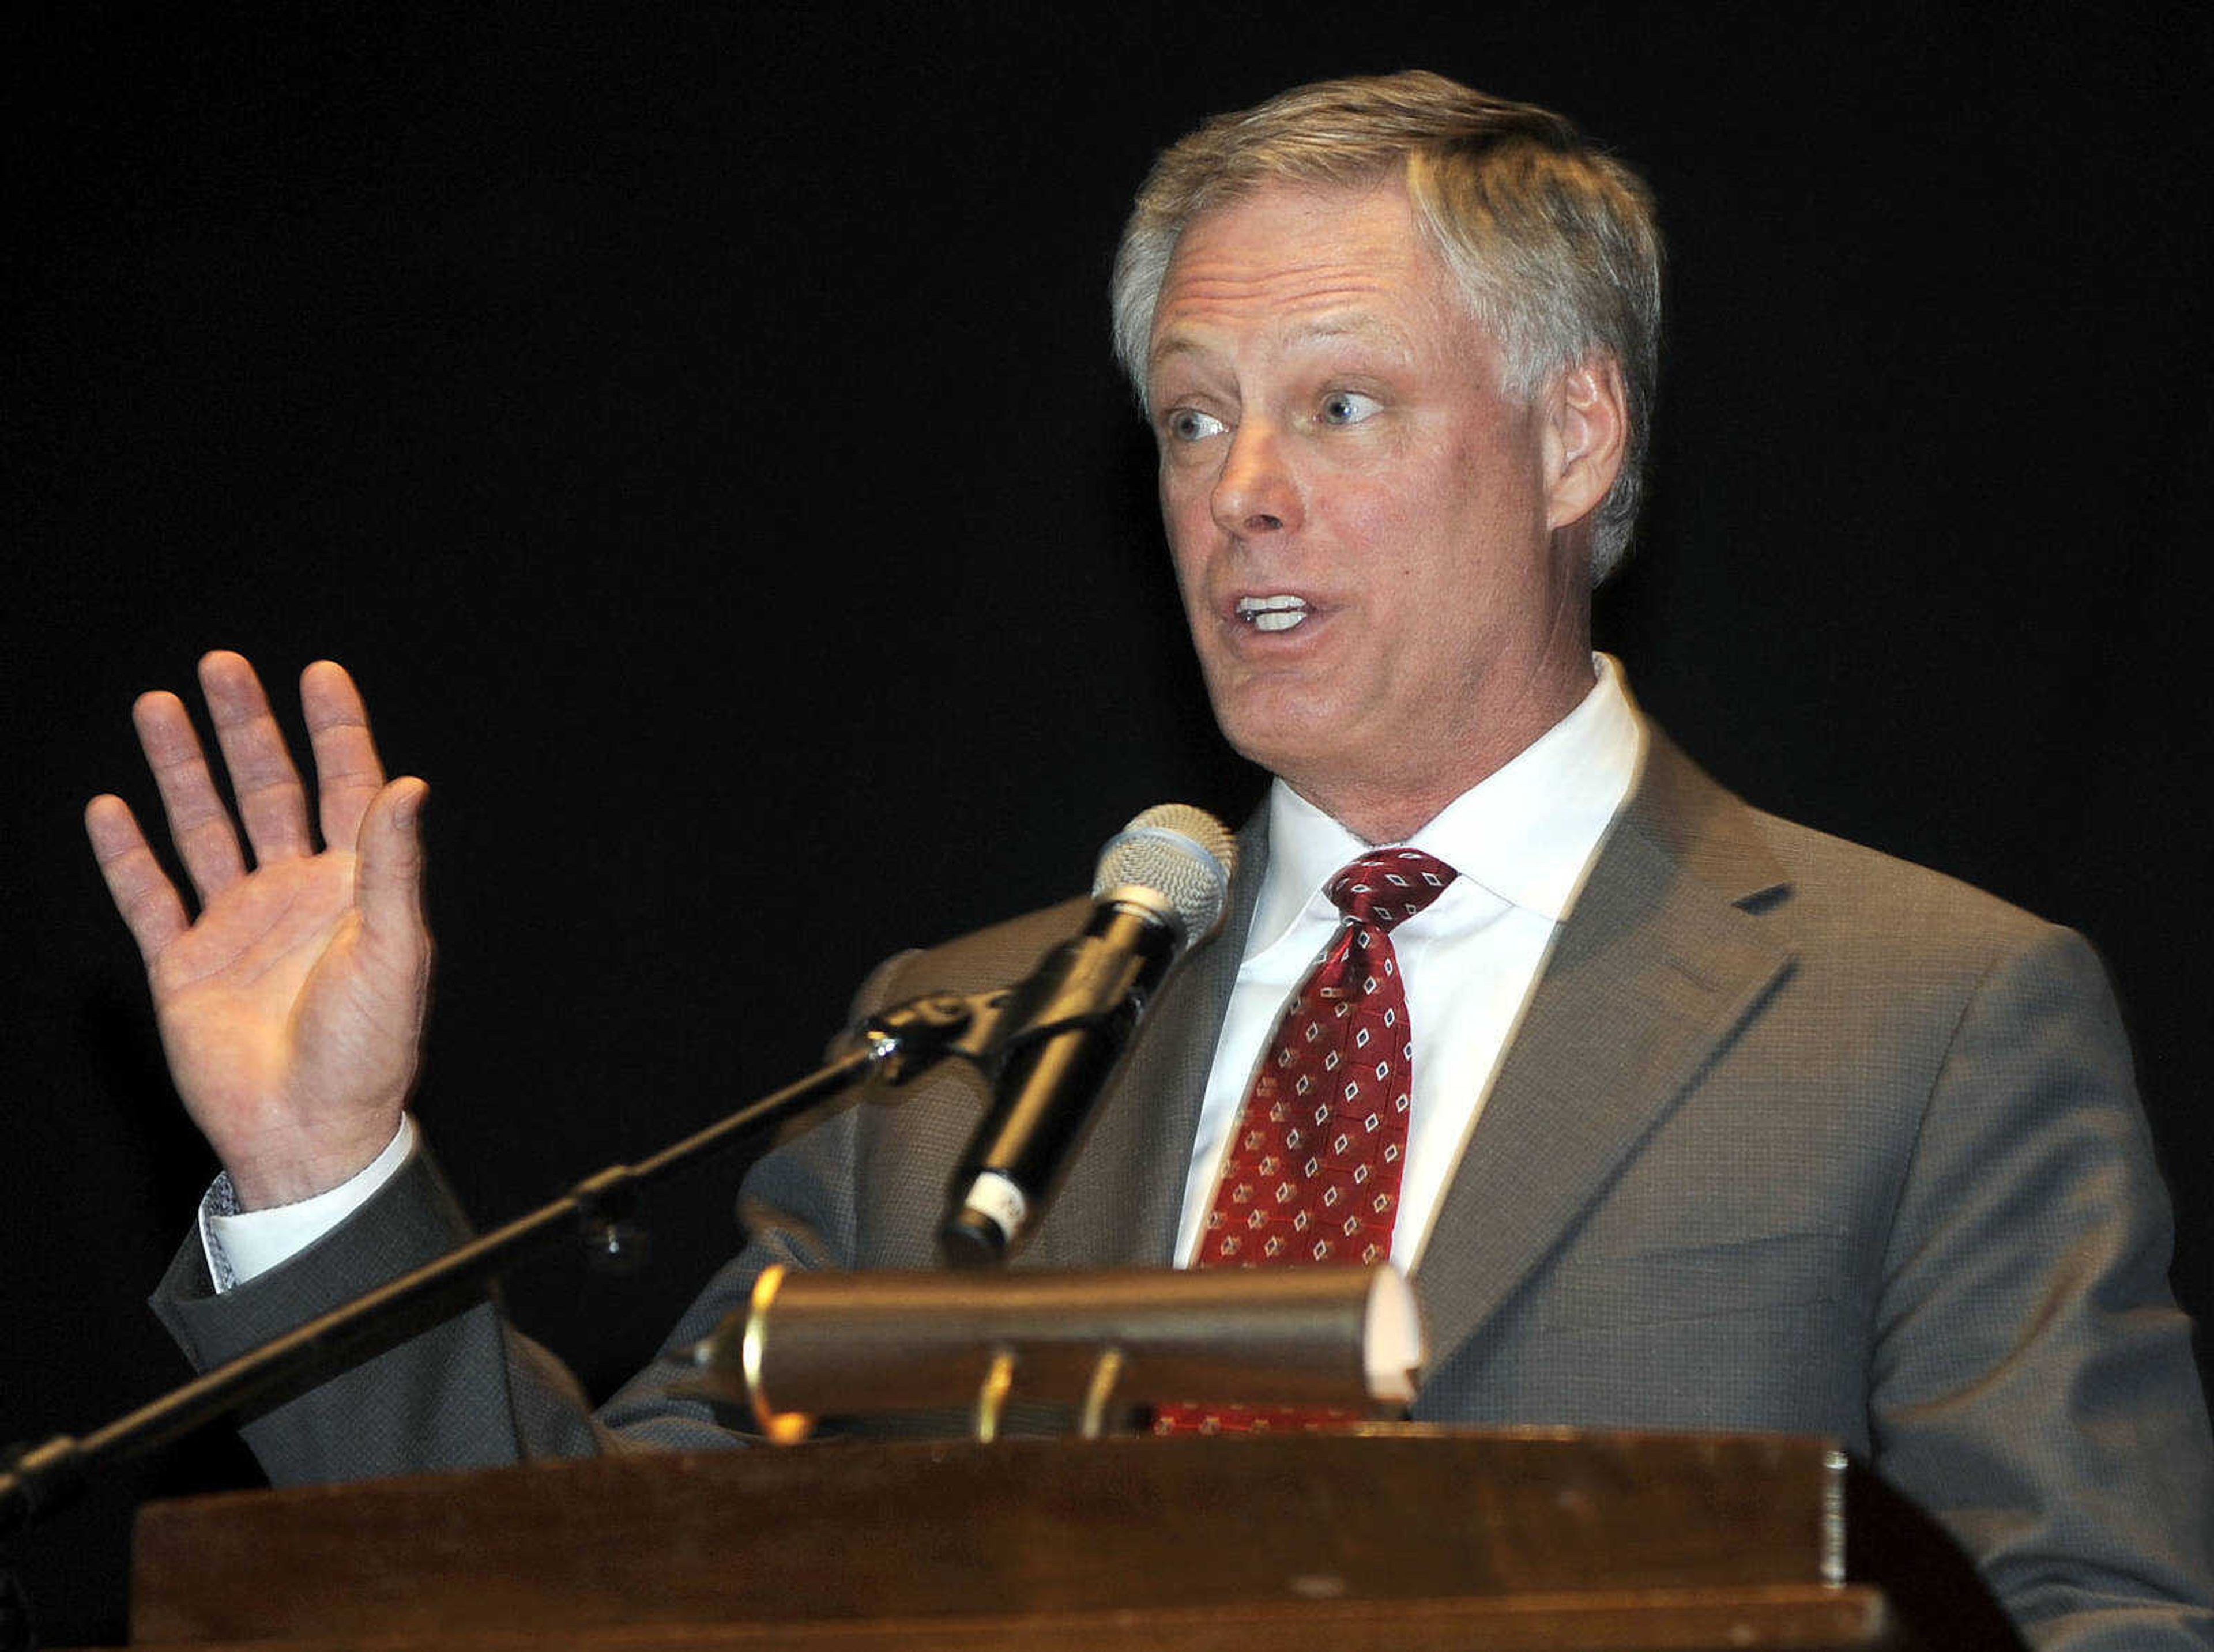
(1327, 1114)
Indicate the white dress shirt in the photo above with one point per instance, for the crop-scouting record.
(1522, 840)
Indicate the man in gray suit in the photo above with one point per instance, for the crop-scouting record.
(1715, 1122)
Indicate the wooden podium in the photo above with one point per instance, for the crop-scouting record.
(1397, 1539)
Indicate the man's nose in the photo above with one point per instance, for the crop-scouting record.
(1256, 492)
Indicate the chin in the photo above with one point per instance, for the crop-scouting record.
(1284, 744)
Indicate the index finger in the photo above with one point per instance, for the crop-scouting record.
(348, 771)
(141, 890)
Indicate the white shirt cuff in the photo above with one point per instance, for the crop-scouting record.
(242, 1245)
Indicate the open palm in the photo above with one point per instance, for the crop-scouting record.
(291, 1008)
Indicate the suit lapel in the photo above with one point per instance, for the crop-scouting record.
(1124, 1196)
(1657, 965)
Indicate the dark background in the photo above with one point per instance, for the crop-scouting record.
(701, 438)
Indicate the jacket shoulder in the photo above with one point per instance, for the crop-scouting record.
(1817, 884)
(1848, 893)
(982, 958)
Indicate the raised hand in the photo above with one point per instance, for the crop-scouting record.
(291, 1008)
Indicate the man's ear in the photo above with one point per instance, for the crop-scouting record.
(1586, 433)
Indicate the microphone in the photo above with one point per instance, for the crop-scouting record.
(1161, 889)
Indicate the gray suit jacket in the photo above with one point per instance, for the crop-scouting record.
(1792, 1137)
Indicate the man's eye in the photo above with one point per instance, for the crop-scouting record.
(1347, 407)
(1189, 424)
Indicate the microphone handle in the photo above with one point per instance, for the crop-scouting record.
(1047, 1090)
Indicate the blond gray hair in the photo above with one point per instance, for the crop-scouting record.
(1553, 242)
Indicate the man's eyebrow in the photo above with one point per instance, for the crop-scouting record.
(1351, 324)
(1173, 345)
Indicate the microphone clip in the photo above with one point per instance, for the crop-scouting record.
(911, 1037)
(1083, 982)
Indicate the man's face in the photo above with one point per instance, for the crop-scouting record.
(1363, 522)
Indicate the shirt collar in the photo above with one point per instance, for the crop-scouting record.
(1526, 832)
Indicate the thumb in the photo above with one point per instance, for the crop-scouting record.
(388, 867)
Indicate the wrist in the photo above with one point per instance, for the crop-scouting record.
(267, 1180)
(242, 1246)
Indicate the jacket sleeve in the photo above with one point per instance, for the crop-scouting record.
(2032, 1378)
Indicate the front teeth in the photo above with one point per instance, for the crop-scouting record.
(1272, 612)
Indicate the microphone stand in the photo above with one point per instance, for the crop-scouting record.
(901, 1043)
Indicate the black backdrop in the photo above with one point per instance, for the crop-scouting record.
(700, 436)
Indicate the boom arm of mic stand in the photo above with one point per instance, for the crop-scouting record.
(897, 1045)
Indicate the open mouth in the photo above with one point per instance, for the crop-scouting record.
(1272, 612)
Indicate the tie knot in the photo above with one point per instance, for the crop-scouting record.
(1390, 885)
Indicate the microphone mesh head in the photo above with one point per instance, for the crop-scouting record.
(1182, 853)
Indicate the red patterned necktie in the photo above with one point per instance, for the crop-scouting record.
(1313, 1169)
